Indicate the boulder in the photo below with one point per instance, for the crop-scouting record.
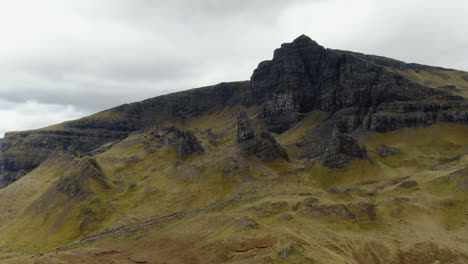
(285, 217)
(408, 184)
(245, 223)
(386, 151)
(309, 201)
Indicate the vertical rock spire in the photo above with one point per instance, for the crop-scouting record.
(245, 128)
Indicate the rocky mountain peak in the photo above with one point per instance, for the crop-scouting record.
(305, 41)
(356, 91)
(303, 76)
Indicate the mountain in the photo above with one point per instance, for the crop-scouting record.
(324, 156)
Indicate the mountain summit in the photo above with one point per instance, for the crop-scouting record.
(324, 156)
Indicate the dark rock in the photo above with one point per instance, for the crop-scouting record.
(296, 206)
(245, 128)
(334, 190)
(408, 184)
(185, 143)
(263, 146)
(188, 144)
(285, 217)
(400, 179)
(327, 141)
(76, 183)
(303, 76)
(369, 210)
(294, 253)
(386, 151)
(245, 223)
(310, 201)
(341, 149)
(286, 253)
(299, 144)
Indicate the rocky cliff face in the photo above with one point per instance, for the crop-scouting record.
(263, 146)
(341, 149)
(357, 89)
(245, 128)
(76, 183)
(185, 143)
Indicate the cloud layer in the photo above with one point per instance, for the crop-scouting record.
(62, 60)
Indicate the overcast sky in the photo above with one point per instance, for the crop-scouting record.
(62, 60)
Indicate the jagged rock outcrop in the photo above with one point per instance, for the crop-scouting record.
(336, 148)
(24, 151)
(369, 210)
(304, 76)
(185, 143)
(392, 116)
(263, 146)
(341, 149)
(245, 128)
(76, 183)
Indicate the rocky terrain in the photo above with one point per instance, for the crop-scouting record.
(324, 156)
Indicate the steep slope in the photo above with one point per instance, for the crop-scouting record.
(325, 156)
(21, 152)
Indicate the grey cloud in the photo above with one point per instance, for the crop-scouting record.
(83, 56)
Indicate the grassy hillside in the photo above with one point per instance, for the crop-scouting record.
(169, 179)
(229, 207)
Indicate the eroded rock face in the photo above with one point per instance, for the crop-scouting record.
(303, 76)
(184, 142)
(263, 146)
(245, 128)
(369, 210)
(341, 149)
(76, 183)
